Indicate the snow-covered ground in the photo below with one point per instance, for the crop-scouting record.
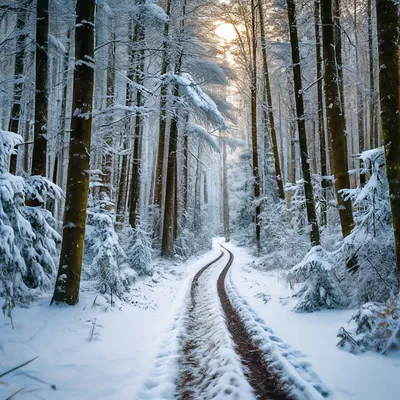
(133, 349)
(363, 377)
(110, 366)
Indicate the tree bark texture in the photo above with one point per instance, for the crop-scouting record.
(69, 272)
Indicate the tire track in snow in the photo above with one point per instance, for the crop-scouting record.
(266, 384)
(210, 368)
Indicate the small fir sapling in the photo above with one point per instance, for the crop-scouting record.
(139, 251)
(319, 285)
(376, 327)
(103, 253)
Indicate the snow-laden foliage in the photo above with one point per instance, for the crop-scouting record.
(376, 327)
(203, 135)
(28, 249)
(372, 239)
(104, 255)
(283, 245)
(197, 98)
(319, 283)
(139, 251)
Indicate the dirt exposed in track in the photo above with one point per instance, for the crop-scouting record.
(195, 377)
(265, 384)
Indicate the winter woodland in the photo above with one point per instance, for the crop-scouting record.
(135, 132)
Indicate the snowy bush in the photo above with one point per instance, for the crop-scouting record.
(377, 328)
(28, 249)
(319, 283)
(372, 239)
(139, 251)
(104, 255)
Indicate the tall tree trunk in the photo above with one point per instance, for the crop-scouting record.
(308, 189)
(225, 195)
(122, 185)
(107, 161)
(41, 89)
(360, 102)
(69, 272)
(321, 125)
(167, 245)
(159, 185)
(335, 118)
(135, 177)
(372, 97)
(197, 200)
(185, 190)
(254, 133)
(268, 107)
(389, 84)
(18, 80)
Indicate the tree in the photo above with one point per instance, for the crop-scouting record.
(335, 118)
(254, 139)
(41, 89)
(301, 124)
(69, 272)
(268, 106)
(321, 124)
(18, 83)
(389, 83)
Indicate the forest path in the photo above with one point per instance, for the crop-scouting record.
(218, 356)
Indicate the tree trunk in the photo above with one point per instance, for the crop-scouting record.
(254, 134)
(225, 195)
(18, 83)
(135, 177)
(335, 118)
(107, 161)
(389, 84)
(69, 272)
(308, 189)
(360, 102)
(122, 185)
(167, 246)
(372, 98)
(41, 89)
(268, 106)
(321, 125)
(185, 168)
(159, 184)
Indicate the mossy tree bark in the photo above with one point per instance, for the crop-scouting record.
(335, 118)
(69, 272)
(305, 164)
(389, 84)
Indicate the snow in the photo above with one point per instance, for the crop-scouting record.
(114, 363)
(132, 351)
(367, 376)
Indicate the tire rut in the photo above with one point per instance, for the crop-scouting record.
(216, 362)
(266, 385)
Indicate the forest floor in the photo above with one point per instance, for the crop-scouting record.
(179, 332)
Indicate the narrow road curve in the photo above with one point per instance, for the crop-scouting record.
(218, 357)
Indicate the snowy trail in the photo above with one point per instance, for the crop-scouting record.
(209, 366)
(222, 350)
